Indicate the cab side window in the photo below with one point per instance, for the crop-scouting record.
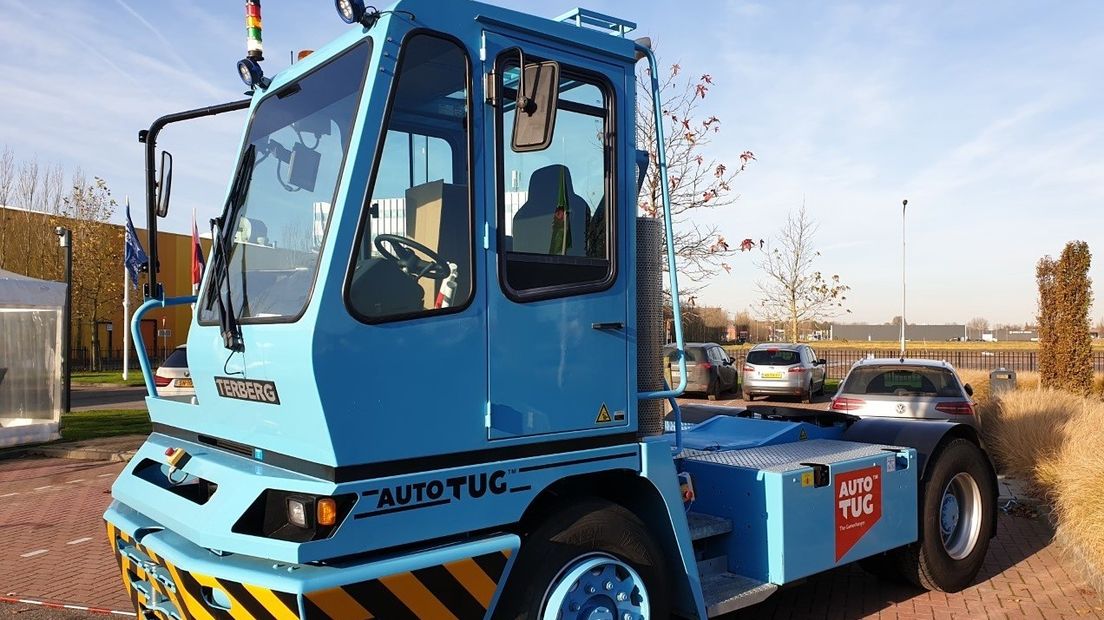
(555, 208)
(414, 252)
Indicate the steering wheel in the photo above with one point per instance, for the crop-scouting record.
(400, 251)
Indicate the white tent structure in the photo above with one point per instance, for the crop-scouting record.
(31, 319)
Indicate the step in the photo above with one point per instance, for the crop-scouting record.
(725, 592)
(705, 526)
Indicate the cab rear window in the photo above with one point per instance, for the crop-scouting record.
(773, 357)
(902, 381)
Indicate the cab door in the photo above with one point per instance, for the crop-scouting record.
(557, 339)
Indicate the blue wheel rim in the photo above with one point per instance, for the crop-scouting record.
(597, 587)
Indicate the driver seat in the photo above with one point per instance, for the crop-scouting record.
(532, 223)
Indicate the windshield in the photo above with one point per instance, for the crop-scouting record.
(300, 134)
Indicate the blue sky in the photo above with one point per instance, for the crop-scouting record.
(985, 115)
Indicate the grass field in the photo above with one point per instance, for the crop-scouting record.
(114, 378)
(104, 423)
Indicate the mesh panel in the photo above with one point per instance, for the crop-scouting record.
(649, 322)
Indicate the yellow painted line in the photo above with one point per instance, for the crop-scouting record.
(337, 603)
(269, 601)
(474, 580)
(407, 588)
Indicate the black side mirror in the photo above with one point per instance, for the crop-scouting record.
(164, 184)
(535, 115)
(969, 389)
(822, 362)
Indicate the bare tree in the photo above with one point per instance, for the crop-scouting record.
(978, 324)
(696, 181)
(792, 290)
(97, 254)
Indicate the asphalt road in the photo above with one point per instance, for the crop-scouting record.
(89, 397)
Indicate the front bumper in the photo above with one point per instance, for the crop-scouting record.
(168, 577)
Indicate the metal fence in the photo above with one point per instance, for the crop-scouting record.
(84, 359)
(840, 360)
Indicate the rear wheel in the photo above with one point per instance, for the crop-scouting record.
(714, 388)
(807, 395)
(593, 559)
(956, 518)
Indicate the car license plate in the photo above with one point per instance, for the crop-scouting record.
(183, 383)
(771, 375)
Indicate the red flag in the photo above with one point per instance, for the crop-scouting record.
(198, 263)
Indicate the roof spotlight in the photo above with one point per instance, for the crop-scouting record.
(252, 74)
(355, 11)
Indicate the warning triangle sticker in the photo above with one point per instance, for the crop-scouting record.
(603, 415)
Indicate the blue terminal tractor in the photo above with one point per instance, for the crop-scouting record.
(427, 363)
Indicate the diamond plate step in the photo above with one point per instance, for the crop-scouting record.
(705, 526)
(725, 592)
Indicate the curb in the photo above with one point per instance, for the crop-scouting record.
(81, 454)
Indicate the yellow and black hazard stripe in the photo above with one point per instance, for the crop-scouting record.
(460, 590)
(247, 602)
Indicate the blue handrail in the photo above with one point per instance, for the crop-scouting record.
(672, 271)
(136, 334)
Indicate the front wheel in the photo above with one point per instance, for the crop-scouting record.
(593, 559)
(956, 518)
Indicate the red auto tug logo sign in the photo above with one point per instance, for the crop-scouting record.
(858, 506)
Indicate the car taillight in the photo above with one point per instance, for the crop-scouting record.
(847, 404)
(749, 368)
(798, 369)
(160, 381)
(957, 407)
(705, 365)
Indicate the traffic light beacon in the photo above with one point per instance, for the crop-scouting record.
(427, 355)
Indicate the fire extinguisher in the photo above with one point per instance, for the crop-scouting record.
(448, 289)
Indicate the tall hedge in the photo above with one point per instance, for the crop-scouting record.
(1065, 296)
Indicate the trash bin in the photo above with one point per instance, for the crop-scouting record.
(1002, 380)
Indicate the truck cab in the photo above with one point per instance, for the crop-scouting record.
(417, 361)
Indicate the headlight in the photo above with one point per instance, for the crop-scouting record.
(297, 511)
(297, 517)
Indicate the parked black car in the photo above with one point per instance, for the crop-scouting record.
(709, 369)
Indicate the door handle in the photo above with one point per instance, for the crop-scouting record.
(608, 326)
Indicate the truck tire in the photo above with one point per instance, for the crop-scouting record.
(956, 517)
(592, 543)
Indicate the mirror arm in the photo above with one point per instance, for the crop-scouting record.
(492, 81)
(148, 137)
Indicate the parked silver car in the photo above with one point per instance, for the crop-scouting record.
(783, 370)
(906, 388)
(709, 369)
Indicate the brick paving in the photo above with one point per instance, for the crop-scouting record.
(53, 548)
(54, 543)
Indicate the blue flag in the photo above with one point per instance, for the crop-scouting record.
(134, 257)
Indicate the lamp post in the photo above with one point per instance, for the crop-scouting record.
(65, 240)
(904, 204)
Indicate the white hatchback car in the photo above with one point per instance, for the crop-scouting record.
(906, 388)
(172, 377)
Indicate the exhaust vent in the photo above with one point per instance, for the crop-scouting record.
(649, 323)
